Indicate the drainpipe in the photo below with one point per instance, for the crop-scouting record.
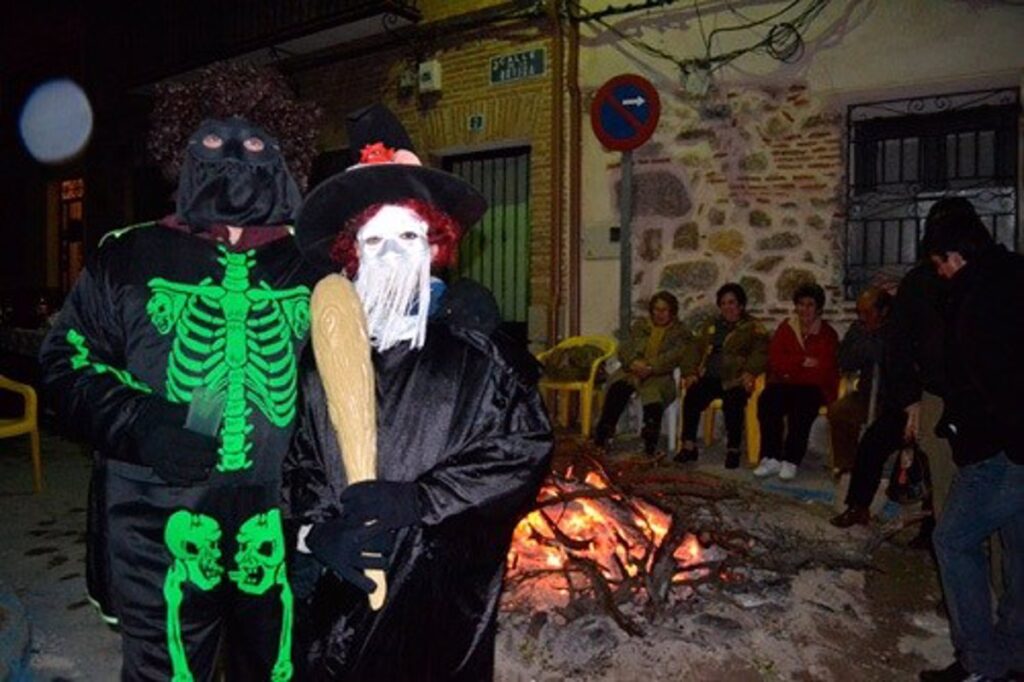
(557, 104)
(575, 178)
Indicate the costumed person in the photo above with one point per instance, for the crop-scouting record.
(656, 347)
(733, 350)
(175, 356)
(462, 440)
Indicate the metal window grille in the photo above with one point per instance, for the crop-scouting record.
(906, 154)
(496, 252)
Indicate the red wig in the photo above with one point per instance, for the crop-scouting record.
(442, 232)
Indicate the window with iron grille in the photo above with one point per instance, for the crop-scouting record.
(906, 154)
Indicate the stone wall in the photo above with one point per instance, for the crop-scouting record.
(747, 187)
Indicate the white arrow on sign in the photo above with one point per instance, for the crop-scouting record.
(637, 101)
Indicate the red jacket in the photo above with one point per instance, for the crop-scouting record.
(787, 352)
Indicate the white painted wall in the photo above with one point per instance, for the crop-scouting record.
(854, 51)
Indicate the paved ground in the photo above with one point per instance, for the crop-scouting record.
(42, 561)
(42, 550)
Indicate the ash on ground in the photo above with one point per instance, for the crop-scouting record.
(806, 602)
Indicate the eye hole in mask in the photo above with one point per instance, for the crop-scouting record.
(212, 141)
(254, 144)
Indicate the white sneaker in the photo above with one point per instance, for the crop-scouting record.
(787, 472)
(767, 467)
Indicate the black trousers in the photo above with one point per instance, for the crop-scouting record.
(798, 406)
(97, 564)
(700, 395)
(198, 576)
(615, 402)
(880, 440)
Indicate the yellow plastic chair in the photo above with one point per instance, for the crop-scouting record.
(847, 383)
(563, 390)
(750, 425)
(672, 417)
(26, 424)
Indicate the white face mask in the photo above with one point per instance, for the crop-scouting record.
(393, 281)
(395, 234)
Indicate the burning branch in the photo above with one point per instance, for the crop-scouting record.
(622, 544)
(591, 569)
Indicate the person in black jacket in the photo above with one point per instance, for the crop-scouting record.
(912, 381)
(463, 443)
(982, 420)
(911, 375)
(175, 357)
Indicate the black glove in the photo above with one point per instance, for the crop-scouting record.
(177, 455)
(303, 574)
(389, 504)
(349, 550)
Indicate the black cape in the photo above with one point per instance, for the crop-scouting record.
(456, 418)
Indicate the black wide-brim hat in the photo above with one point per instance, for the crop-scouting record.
(342, 197)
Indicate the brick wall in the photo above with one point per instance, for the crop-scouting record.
(514, 113)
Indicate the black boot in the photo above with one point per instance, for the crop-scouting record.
(951, 673)
(615, 401)
(686, 454)
(732, 458)
(923, 539)
(651, 430)
(853, 516)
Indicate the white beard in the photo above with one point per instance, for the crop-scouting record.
(395, 292)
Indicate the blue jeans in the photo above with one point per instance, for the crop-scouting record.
(985, 498)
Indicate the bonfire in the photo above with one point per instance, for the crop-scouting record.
(588, 540)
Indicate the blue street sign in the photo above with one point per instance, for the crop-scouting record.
(625, 112)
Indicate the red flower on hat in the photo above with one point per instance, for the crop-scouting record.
(377, 153)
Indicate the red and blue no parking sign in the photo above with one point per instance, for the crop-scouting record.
(625, 112)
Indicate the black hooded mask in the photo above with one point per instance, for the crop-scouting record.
(234, 174)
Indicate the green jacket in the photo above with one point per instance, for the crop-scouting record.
(745, 349)
(676, 350)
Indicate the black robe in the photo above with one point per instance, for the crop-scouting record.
(456, 418)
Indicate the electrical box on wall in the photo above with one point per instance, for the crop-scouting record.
(601, 243)
(407, 81)
(430, 76)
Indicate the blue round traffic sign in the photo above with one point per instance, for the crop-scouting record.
(625, 112)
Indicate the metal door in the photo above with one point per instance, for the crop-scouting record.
(496, 251)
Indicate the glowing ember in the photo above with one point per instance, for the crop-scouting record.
(588, 521)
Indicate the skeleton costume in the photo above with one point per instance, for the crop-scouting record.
(463, 443)
(169, 317)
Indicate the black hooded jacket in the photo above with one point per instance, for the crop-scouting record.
(985, 358)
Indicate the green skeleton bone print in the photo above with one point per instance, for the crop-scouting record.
(193, 540)
(260, 560)
(235, 339)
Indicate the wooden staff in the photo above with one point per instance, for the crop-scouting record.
(342, 349)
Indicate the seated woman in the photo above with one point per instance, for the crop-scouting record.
(802, 376)
(654, 349)
(860, 351)
(733, 350)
